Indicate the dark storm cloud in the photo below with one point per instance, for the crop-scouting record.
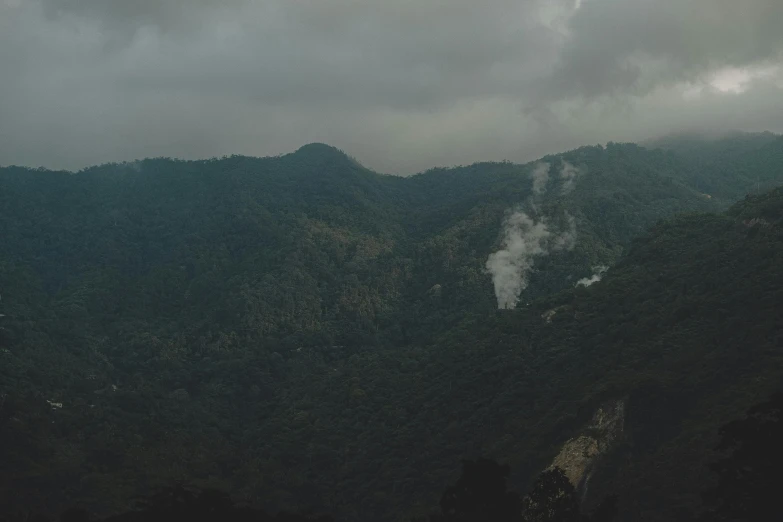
(402, 85)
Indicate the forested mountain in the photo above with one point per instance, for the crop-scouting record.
(713, 146)
(727, 165)
(307, 333)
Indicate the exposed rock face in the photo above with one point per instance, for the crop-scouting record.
(576, 457)
(579, 455)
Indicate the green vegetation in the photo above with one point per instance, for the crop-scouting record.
(307, 330)
(727, 166)
(746, 489)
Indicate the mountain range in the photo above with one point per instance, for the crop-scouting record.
(309, 334)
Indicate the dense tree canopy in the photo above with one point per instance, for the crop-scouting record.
(309, 331)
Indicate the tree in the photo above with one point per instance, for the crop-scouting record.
(480, 494)
(748, 477)
(552, 499)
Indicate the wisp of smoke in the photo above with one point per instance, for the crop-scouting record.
(135, 166)
(524, 240)
(540, 175)
(567, 239)
(568, 173)
(598, 273)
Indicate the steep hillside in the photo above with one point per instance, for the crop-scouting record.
(305, 332)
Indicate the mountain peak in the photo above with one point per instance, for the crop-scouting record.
(319, 149)
(321, 153)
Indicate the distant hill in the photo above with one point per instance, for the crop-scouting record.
(727, 165)
(307, 332)
(709, 145)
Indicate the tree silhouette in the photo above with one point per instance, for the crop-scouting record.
(606, 510)
(479, 495)
(748, 477)
(208, 505)
(75, 515)
(553, 498)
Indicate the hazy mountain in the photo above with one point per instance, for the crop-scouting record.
(727, 165)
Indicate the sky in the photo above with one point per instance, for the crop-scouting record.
(401, 85)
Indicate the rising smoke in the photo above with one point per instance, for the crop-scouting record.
(598, 273)
(566, 240)
(540, 176)
(526, 238)
(568, 173)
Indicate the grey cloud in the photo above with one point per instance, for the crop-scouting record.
(632, 46)
(401, 85)
(124, 15)
(402, 55)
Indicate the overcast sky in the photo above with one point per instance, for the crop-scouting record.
(402, 85)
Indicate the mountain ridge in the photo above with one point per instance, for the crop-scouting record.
(333, 326)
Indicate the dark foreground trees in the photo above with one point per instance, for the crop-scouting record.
(480, 495)
(746, 490)
(180, 503)
(748, 487)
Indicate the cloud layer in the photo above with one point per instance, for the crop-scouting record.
(401, 85)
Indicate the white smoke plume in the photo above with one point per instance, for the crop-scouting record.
(568, 173)
(540, 175)
(567, 239)
(598, 273)
(524, 240)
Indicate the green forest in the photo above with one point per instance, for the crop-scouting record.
(312, 336)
